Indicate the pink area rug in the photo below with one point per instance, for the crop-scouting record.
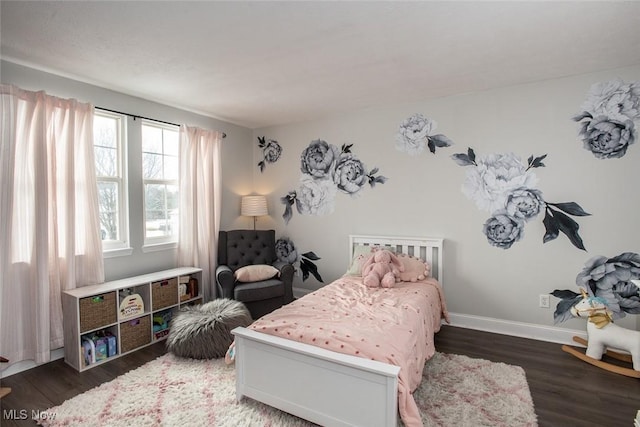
(170, 391)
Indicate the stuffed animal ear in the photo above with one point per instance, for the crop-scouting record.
(368, 261)
(396, 261)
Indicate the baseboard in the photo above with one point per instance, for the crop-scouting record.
(25, 365)
(516, 329)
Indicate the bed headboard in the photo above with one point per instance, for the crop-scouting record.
(426, 248)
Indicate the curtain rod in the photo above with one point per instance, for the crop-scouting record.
(135, 116)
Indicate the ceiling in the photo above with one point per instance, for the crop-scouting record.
(258, 64)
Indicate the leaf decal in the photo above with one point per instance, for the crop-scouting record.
(563, 309)
(472, 155)
(311, 255)
(571, 208)
(346, 148)
(551, 227)
(570, 228)
(261, 165)
(463, 159)
(536, 162)
(440, 140)
(261, 142)
(309, 267)
(288, 201)
(375, 179)
(564, 294)
(581, 116)
(431, 145)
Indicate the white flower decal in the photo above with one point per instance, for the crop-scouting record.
(614, 99)
(315, 196)
(416, 133)
(494, 177)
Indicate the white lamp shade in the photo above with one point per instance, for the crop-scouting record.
(254, 206)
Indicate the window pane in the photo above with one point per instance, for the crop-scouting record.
(105, 131)
(170, 142)
(154, 201)
(110, 146)
(170, 167)
(106, 161)
(108, 200)
(173, 198)
(151, 166)
(151, 139)
(160, 164)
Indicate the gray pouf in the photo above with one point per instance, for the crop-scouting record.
(204, 331)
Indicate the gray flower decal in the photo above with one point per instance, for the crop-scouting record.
(607, 138)
(607, 119)
(524, 203)
(503, 230)
(608, 279)
(327, 169)
(505, 186)
(271, 151)
(318, 159)
(286, 252)
(416, 133)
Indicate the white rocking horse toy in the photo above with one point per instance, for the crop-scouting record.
(604, 334)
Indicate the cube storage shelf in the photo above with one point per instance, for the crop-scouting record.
(95, 311)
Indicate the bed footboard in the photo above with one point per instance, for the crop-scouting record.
(319, 385)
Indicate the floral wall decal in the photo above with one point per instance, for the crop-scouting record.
(327, 170)
(416, 133)
(503, 185)
(271, 151)
(608, 279)
(607, 118)
(286, 252)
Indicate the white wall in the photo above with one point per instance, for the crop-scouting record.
(236, 156)
(423, 195)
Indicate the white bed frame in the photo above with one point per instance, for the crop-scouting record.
(322, 386)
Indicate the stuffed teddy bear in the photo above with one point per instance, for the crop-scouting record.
(381, 269)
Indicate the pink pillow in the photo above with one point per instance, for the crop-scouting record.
(414, 268)
(255, 273)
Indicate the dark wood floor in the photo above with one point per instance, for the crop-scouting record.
(565, 390)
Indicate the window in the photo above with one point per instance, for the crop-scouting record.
(109, 146)
(160, 179)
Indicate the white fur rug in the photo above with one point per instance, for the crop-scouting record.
(170, 391)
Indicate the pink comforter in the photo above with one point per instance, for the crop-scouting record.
(394, 326)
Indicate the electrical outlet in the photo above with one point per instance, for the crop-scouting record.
(545, 300)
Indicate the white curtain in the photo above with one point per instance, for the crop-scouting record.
(49, 221)
(200, 195)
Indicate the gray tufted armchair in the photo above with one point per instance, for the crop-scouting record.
(239, 248)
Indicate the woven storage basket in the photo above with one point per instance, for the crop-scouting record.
(135, 333)
(97, 311)
(164, 293)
